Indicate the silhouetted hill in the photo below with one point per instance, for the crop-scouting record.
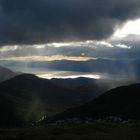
(98, 84)
(30, 85)
(72, 83)
(6, 74)
(9, 113)
(122, 102)
(26, 98)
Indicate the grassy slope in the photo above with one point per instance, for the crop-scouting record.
(97, 131)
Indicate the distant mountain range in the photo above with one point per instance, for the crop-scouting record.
(6, 74)
(123, 102)
(115, 69)
(83, 82)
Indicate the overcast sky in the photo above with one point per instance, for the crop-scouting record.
(77, 30)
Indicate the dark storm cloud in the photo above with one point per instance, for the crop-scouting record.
(39, 21)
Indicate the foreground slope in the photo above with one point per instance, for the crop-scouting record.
(122, 102)
(95, 131)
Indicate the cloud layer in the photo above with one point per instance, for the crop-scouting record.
(127, 48)
(41, 21)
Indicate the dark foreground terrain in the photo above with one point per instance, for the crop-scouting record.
(94, 131)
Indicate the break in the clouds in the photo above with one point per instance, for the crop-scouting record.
(41, 21)
(63, 51)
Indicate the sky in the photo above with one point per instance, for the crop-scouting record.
(72, 30)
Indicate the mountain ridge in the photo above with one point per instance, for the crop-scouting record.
(123, 102)
(6, 74)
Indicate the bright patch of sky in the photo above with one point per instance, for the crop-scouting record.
(130, 28)
(123, 46)
(8, 48)
(88, 43)
(69, 76)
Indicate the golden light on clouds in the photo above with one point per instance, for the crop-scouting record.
(48, 58)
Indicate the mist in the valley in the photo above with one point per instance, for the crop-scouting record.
(104, 71)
